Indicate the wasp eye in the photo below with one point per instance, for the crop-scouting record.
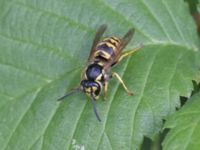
(84, 83)
(97, 91)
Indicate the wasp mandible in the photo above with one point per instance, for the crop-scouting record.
(104, 55)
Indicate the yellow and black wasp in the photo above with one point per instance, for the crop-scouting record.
(104, 55)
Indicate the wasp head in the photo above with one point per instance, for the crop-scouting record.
(91, 88)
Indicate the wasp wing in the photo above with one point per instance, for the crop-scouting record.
(124, 41)
(97, 38)
(127, 37)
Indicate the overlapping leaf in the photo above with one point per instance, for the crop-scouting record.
(43, 46)
(185, 127)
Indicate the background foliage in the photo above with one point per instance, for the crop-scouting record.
(43, 47)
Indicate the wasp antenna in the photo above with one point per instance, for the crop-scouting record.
(69, 93)
(95, 109)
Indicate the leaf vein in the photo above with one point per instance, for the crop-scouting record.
(44, 47)
(155, 18)
(142, 91)
(173, 19)
(22, 117)
(67, 19)
(127, 20)
(76, 125)
(196, 123)
(111, 99)
(175, 133)
(39, 75)
(172, 76)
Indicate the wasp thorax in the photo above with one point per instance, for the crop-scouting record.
(94, 72)
(91, 88)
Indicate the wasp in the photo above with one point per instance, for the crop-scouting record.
(103, 56)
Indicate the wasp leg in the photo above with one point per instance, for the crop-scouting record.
(114, 74)
(128, 53)
(105, 88)
(82, 74)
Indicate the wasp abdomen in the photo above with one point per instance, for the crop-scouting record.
(105, 47)
(108, 48)
(113, 40)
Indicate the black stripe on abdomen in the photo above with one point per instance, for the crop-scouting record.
(106, 48)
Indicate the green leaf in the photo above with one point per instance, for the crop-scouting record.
(185, 129)
(43, 46)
